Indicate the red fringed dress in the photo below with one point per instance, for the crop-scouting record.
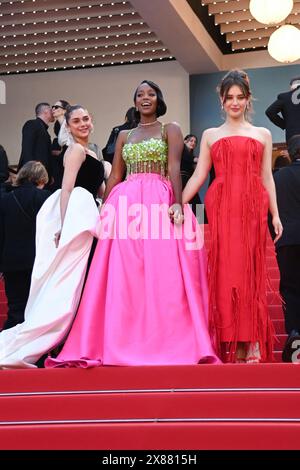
(237, 210)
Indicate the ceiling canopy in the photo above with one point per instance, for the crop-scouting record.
(44, 35)
(241, 31)
(203, 35)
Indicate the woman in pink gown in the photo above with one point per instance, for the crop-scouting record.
(145, 301)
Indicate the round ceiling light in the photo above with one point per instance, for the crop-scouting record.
(270, 12)
(284, 44)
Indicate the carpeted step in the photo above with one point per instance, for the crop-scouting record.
(180, 407)
(279, 326)
(275, 311)
(280, 341)
(150, 377)
(215, 435)
(163, 405)
(277, 356)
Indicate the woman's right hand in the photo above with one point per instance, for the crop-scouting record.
(278, 229)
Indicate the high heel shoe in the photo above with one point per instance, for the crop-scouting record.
(253, 360)
(253, 354)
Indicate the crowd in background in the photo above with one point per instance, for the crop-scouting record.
(42, 170)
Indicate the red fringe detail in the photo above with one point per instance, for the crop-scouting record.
(253, 293)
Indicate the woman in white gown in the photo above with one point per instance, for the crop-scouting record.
(65, 229)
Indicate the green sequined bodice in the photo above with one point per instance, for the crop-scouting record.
(146, 156)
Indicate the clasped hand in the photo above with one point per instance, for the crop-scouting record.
(176, 214)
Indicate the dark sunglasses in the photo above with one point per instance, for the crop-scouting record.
(56, 106)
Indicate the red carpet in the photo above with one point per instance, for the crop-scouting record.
(184, 407)
(230, 406)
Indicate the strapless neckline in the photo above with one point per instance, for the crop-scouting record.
(235, 136)
(89, 155)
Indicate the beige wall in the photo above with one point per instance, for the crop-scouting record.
(106, 92)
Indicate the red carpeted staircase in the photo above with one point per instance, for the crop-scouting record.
(3, 305)
(229, 406)
(273, 298)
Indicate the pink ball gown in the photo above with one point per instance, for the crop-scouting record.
(145, 301)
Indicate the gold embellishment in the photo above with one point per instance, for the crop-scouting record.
(148, 156)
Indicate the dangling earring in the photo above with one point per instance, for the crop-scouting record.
(137, 109)
(223, 112)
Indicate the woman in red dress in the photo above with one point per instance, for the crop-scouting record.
(237, 205)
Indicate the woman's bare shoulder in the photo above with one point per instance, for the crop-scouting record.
(264, 132)
(211, 134)
(125, 132)
(74, 152)
(172, 125)
(75, 147)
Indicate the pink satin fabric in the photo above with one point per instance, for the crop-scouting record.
(145, 301)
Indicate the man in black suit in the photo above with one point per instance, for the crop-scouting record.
(131, 121)
(287, 182)
(36, 141)
(288, 105)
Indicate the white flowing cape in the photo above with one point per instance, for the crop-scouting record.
(57, 279)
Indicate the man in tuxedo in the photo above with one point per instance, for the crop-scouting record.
(36, 141)
(287, 182)
(288, 105)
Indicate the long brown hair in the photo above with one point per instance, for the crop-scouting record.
(240, 79)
